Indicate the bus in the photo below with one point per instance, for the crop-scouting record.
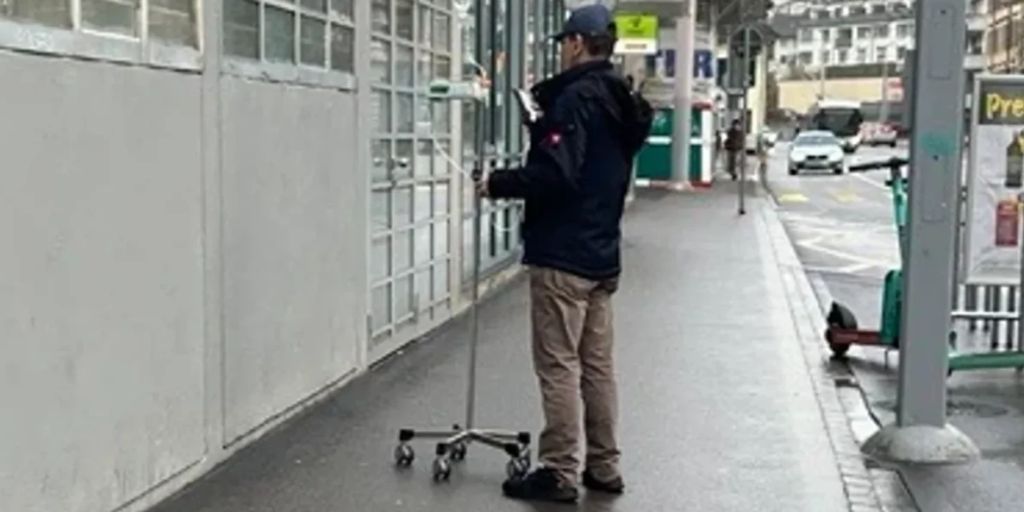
(842, 118)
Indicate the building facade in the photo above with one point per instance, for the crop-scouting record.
(1005, 36)
(854, 49)
(217, 212)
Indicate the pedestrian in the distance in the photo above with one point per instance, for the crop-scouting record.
(734, 143)
(575, 182)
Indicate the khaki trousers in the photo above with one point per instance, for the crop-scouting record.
(572, 356)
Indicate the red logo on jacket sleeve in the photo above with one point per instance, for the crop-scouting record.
(554, 139)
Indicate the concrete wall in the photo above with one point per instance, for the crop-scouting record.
(184, 268)
(107, 374)
(294, 246)
(101, 282)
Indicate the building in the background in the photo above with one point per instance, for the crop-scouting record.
(853, 50)
(218, 211)
(1005, 36)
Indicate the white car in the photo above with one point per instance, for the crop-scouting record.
(817, 150)
(879, 134)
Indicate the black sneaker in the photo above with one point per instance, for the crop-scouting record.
(615, 486)
(541, 485)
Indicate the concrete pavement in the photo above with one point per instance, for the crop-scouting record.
(725, 403)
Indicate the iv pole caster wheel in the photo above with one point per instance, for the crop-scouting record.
(458, 452)
(404, 455)
(517, 468)
(524, 456)
(442, 469)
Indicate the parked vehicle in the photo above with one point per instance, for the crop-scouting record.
(879, 134)
(817, 150)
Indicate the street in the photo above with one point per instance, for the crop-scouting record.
(842, 227)
(843, 230)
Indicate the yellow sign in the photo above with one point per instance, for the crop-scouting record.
(637, 34)
(636, 26)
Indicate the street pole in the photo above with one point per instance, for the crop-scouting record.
(744, 118)
(683, 91)
(883, 111)
(821, 79)
(921, 433)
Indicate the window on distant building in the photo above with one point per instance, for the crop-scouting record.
(826, 35)
(862, 55)
(806, 35)
(882, 31)
(975, 42)
(863, 32)
(878, 9)
(901, 54)
(904, 30)
(806, 58)
(826, 56)
(882, 54)
(843, 57)
(857, 10)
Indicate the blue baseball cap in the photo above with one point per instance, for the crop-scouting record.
(590, 20)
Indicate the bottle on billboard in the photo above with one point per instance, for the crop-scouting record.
(1007, 223)
(1015, 161)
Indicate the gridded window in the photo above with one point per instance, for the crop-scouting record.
(114, 16)
(411, 179)
(168, 21)
(173, 21)
(311, 33)
(55, 13)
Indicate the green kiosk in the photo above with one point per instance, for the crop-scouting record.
(654, 162)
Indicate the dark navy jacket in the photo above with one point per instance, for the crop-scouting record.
(577, 171)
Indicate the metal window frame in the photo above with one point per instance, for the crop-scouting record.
(298, 72)
(393, 136)
(92, 44)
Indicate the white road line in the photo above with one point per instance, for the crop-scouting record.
(847, 256)
(871, 182)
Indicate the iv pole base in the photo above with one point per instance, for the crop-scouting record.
(453, 446)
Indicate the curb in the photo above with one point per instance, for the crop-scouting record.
(839, 415)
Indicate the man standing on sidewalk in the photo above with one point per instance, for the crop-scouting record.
(734, 143)
(575, 183)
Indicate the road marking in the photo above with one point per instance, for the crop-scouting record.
(793, 197)
(845, 196)
(871, 182)
(853, 269)
(848, 256)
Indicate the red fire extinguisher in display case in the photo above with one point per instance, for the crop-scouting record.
(1007, 223)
